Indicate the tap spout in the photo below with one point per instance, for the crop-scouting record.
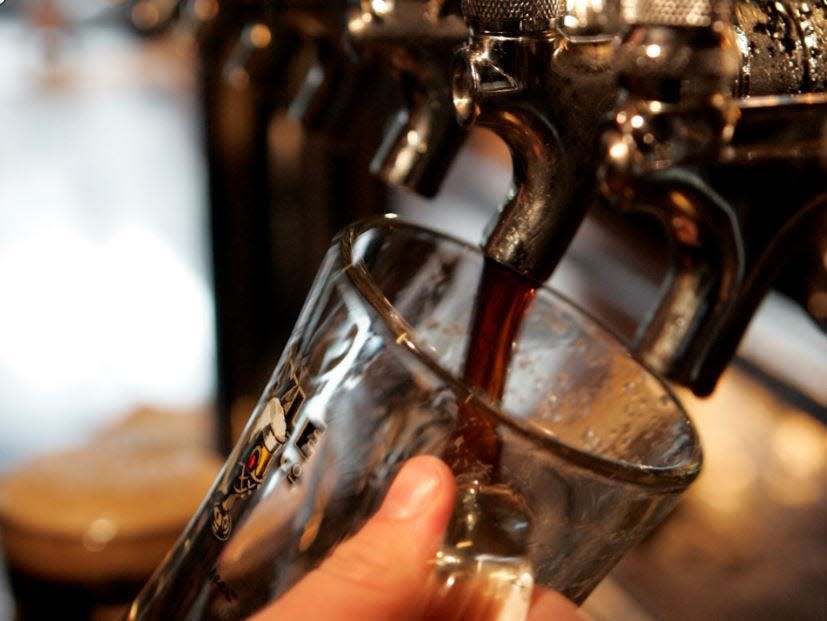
(414, 41)
(498, 85)
(335, 75)
(705, 278)
(421, 140)
(539, 218)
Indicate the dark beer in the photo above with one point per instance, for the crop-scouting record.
(481, 573)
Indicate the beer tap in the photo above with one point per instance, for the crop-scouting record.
(544, 95)
(328, 95)
(374, 60)
(415, 40)
(712, 135)
(407, 44)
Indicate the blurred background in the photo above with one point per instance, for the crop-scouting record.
(104, 268)
(105, 297)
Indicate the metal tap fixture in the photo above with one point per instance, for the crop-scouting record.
(406, 43)
(329, 94)
(737, 180)
(414, 40)
(543, 95)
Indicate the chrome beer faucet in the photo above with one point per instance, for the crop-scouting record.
(329, 93)
(713, 136)
(414, 40)
(544, 95)
(404, 42)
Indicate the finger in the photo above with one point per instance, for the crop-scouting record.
(378, 574)
(551, 606)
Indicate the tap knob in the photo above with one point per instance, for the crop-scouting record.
(508, 16)
(675, 13)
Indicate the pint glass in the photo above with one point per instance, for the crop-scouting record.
(593, 449)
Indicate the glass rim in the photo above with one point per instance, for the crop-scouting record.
(675, 477)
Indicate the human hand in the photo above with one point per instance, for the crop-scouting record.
(380, 574)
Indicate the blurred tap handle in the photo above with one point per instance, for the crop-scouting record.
(414, 42)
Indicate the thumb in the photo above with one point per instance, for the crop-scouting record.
(379, 574)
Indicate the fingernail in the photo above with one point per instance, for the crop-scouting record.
(411, 491)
